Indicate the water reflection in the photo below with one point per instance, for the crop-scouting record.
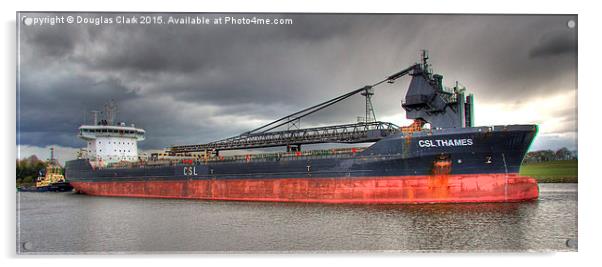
(84, 223)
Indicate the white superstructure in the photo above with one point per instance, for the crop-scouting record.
(108, 142)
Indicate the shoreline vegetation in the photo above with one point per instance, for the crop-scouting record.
(555, 171)
(28, 170)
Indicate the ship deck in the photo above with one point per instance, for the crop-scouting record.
(254, 157)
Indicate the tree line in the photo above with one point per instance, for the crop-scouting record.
(28, 170)
(550, 155)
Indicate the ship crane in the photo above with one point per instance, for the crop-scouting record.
(426, 101)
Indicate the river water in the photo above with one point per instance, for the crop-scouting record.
(51, 223)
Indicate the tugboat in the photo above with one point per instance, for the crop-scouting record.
(50, 179)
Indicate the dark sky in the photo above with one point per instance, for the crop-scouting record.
(197, 83)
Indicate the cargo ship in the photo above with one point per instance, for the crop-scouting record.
(440, 158)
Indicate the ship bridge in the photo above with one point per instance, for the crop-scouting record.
(109, 142)
(91, 132)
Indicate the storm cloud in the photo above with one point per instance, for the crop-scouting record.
(197, 83)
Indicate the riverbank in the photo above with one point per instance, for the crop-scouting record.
(559, 171)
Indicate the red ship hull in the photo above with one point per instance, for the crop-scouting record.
(365, 190)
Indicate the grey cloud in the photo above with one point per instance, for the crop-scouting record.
(190, 48)
(49, 112)
(555, 44)
(178, 82)
(53, 44)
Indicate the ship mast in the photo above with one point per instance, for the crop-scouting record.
(110, 112)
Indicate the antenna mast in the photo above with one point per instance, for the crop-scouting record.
(95, 117)
(426, 67)
(111, 112)
(368, 93)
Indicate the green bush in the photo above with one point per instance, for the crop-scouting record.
(28, 180)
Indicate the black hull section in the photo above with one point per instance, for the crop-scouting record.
(56, 187)
(477, 150)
